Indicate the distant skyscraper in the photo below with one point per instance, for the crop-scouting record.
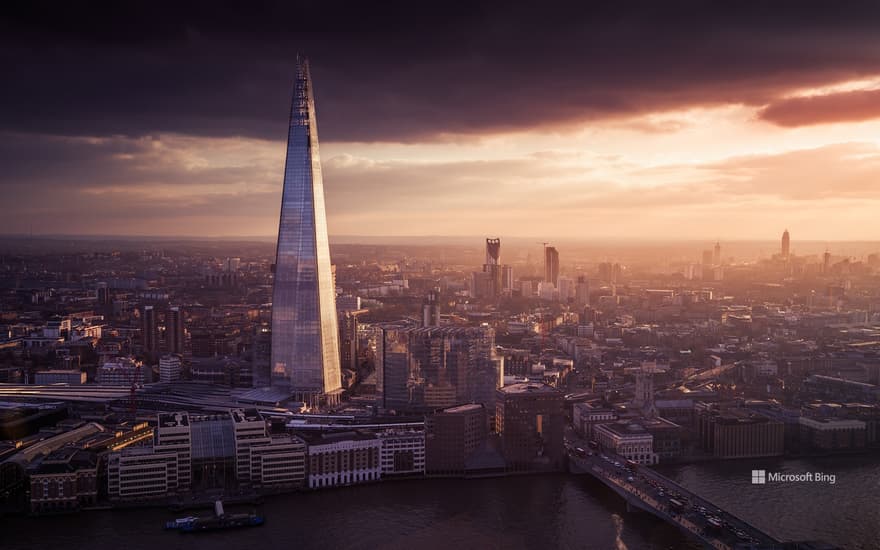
(431, 310)
(305, 350)
(716, 256)
(103, 294)
(493, 266)
(786, 245)
(826, 263)
(551, 265)
(493, 251)
(608, 272)
(507, 278)
(150, 330)
(707, 258)
(582, 291)
(174, 330)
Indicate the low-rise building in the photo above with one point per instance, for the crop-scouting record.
(73, 377)
(628, 439)
(740, 433)
(586, 415)
(832, 434)
(122, 371)
(140, 473)
(64, 481)
(403, 452)
(344, 458)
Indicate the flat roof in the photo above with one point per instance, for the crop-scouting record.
(463, 408)
(529, 387)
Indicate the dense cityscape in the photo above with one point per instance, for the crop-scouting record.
(515, 388)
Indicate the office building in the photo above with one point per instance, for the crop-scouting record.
(121, 371)
(493, 269)
(173, 436)
(150, 330)
(740, 433)
(452, 436)
(169, 368)
(431, 310)
(103, 294)
(174, 331)
(402, 452)
(435, 367)
(582, 291)
(832, 434)
(506, 278)
(348, 328)
(208, 452)
(73, 377)
(551, 266)
(345, 458)
(530, 419)
(716, 254)
(627, 439)
(707, 260)
(786, 245)
(305, 350)
(139, 474)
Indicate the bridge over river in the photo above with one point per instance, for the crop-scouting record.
(644, 489)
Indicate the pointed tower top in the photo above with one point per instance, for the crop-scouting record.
(302, 93)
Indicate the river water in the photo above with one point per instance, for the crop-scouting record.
(555, 511)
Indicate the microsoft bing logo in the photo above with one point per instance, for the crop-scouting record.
(759, 477)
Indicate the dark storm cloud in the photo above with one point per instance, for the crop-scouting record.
(411, 70)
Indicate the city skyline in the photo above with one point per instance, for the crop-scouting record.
(765, 116)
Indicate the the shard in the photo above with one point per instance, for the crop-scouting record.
(305, 350)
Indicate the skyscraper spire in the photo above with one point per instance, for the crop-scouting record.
(305, 351)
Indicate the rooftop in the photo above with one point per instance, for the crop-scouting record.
(529, 388)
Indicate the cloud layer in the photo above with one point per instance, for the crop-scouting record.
(406, 71)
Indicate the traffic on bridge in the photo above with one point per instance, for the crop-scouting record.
(645, 489)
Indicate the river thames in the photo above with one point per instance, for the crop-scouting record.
(553, 511)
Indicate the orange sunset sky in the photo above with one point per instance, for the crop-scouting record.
(657, 123)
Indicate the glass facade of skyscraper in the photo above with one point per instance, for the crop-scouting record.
(305, 350)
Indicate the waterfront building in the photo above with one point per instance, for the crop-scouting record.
(305, 348)
(452, 436)
(628, 439)
(740, 433)
(173, 436)
(345, 458)
(832, 434)
(64, 481)
(402, 452)
(530, 419)
(208, 452)
(140, 474)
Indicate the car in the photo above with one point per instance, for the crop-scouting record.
(630, 479)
